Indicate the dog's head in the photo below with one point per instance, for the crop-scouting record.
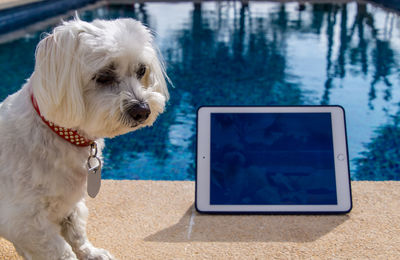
(103, 78)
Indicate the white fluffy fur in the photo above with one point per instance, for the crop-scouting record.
(43, 177)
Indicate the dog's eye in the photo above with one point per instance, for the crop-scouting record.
(106, 76)
(105, 79)
(141, 71)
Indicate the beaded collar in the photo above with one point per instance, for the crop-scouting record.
(67, 134)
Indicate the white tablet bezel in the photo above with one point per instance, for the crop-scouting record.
(340, 152)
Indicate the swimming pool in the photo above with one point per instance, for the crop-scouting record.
(266, 53)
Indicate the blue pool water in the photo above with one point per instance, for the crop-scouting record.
(266, 53)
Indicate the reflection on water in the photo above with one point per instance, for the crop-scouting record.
(380, 159)
(263, 53)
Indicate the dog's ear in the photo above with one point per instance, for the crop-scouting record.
(57, 79)
(156, 75)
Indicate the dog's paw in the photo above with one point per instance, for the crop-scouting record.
(93, 253)
(100, 254)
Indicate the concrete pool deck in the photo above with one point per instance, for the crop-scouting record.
(157, 220)
(13, 3)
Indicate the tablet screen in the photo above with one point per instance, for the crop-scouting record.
(272, 159)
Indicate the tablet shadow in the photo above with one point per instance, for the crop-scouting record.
(194, 226)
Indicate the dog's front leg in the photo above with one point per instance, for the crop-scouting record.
(37, 238)
(74, 231)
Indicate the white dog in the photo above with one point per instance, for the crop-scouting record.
(91, 80)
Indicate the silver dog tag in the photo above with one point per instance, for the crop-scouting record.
(94, 178)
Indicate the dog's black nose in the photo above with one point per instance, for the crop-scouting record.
(139, 111)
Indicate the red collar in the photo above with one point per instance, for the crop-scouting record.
(67, 134)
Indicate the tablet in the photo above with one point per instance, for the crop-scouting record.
(272, 160)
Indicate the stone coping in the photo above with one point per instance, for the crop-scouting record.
(157, 220)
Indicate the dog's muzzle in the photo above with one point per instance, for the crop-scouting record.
(139, 111)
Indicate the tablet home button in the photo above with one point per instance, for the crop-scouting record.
(340, 157)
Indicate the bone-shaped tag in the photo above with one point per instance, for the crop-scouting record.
(94, 180)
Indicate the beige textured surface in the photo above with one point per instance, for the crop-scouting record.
(151, 220)
(13, 3)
